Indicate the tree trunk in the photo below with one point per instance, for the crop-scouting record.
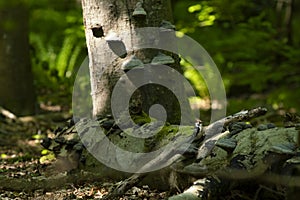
(16, 82)
(110, 28)
(284, 10)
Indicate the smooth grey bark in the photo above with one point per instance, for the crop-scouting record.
(16, 82)
(106, 16)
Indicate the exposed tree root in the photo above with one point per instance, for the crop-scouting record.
(46, 183)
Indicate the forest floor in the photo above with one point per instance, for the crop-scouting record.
(21, 156)
(20, 153)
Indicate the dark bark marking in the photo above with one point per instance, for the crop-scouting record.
(98, 31)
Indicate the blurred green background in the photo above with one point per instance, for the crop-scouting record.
(255, 45)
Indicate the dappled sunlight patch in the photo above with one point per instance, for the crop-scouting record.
(200, 103)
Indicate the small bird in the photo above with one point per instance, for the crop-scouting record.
(198, 128)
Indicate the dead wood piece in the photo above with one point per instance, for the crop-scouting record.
(245, 115)
(7, 113)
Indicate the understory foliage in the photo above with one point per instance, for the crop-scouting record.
(258, 61)
(57, 47)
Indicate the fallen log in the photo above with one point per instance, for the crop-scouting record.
(211, 134)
